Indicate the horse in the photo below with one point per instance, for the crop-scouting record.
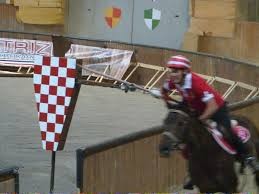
(210, 167)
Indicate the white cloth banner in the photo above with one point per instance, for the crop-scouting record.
(15, 52)
(19, 52)
(112, 62)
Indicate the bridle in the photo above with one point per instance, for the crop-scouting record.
(179, 112)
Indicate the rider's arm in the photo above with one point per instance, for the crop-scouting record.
(165, 94)
(206, 95)
(165, 90)
(211, 108)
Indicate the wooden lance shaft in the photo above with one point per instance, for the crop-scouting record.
(113, 78)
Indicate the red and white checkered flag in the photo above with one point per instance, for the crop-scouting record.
(54, 82)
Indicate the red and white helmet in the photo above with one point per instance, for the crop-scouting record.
(179, 62)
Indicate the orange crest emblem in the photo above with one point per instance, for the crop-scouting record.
(112, 16)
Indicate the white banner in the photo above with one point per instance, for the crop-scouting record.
(15, 52)
(112, 62)
(18, 52)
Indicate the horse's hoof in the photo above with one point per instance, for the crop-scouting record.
(188, 185)
(164, 154)
(241, 170)
(257, 179)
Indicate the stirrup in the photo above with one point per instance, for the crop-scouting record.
(249, 159)
(252, 163)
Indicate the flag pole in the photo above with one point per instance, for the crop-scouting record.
(52, 178)
(60, 46)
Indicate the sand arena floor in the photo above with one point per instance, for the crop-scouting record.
(101, 113)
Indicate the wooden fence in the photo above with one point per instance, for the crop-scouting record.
(129, 164)
(9, 180)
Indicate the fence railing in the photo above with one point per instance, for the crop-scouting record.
(9, 180)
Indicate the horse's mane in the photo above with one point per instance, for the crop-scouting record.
(196, 133)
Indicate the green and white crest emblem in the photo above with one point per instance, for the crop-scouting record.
(152, 18)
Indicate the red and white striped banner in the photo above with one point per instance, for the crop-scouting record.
(54, 82)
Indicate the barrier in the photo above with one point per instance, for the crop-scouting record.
(9, 180)
(120, 165)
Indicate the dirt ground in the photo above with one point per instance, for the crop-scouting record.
(101, 113)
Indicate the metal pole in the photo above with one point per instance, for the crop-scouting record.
(52, 178)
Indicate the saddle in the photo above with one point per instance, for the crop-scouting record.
(216, 132)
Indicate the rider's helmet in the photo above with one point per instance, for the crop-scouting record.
(178, 62)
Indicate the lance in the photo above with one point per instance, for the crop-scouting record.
(126, 85)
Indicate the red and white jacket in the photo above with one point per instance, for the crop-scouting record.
(195, 92)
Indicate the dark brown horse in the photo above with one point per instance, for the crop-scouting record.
(211, 168)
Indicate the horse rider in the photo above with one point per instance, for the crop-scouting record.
(205, 101)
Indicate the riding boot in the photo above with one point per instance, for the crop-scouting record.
(243, 153)
(252, 163)
(188, 185)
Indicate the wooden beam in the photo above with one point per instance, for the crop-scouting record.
(23, 3)
(38, 3)
(44, 16)
(206, 77)
(212, 27)
(248, 87)
(250, 94)
(225, 81)
(154, 67)
(9, 1)
(133, 70)
(229, 90)
(104, 72)
(191, 7)
(150, 81)
(190, 42)
(215, 9)
(50, 3)
(243, 104)
(256, 93)
(154, 83)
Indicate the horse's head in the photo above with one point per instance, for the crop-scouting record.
(176, 131)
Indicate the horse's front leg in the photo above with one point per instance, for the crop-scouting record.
(226, 177)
